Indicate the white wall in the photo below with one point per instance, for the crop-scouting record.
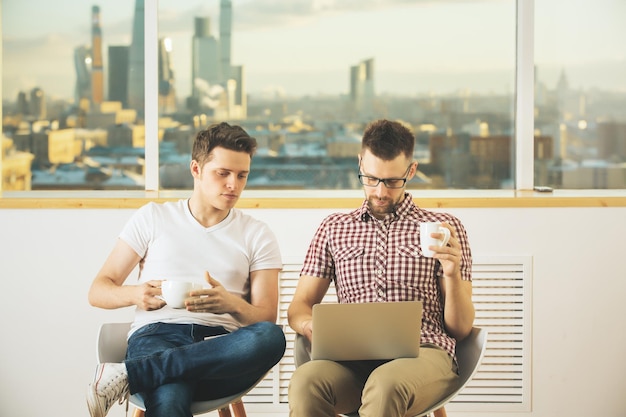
(48, 258)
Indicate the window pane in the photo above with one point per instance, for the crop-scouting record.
(72, 87)
(580, 94)
(305, 80)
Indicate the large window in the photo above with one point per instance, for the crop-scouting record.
(304, 78)
(72, 95)
(580, 94)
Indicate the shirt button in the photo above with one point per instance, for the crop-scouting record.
(379, 272)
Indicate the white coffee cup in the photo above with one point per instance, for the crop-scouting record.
(175, 292)
(426, 240)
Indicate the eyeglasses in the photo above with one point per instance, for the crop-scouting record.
(389, 182)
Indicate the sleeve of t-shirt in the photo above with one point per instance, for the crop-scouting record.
(266, 252)
(137, 232)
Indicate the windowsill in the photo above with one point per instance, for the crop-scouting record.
(311, 199)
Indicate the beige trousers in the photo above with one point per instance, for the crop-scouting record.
(397, 388)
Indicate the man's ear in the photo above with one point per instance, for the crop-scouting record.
(413, 170)
(195, 168)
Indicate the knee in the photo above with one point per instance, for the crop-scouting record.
(303, 384)
(269, 337)
(169, 400)
(382, 384)
(168, 408)
(272, 334)
(301, 377)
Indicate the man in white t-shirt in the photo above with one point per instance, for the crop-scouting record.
(172, 356)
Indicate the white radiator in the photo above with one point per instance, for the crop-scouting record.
(502, 291)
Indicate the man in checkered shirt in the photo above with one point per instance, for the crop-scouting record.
(373, 254)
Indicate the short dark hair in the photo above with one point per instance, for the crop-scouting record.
(224, 135)
(387, 139)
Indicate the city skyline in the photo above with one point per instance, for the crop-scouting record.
(282, 43)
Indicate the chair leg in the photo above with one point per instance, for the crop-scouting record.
(238, 408)
(238, 411)
(224, 412)
(441, 412)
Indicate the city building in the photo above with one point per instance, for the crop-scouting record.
(82, 66)
(218, 88)
(118, 74)
(167, 88)
(136, 62)
(97, 64)
(362, 93)
(15, 167)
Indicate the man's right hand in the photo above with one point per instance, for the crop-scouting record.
(148, 296)
(307, 329)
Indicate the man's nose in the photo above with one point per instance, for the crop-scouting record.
(381, 189)
(231, 182)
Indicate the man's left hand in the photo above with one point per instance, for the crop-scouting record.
(211, 300)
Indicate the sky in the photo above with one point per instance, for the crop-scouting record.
(307, 46)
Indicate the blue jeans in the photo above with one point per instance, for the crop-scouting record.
(173, 364)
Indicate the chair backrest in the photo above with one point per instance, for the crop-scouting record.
(112, 343)
(469, 353)
(301, 350)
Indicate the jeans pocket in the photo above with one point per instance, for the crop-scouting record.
(146, 330)
(141, 344)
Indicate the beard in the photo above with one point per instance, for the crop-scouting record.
(381, 207)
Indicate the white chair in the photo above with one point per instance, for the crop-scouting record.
(469, 353)
(112, 348)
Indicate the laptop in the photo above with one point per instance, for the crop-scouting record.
(366, 331)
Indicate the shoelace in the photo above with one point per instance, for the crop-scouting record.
(121, 395)
(124, 399)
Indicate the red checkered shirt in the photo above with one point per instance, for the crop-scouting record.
(373, 260)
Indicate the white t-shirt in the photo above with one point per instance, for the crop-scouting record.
(173, 245)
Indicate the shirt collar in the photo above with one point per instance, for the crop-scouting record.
(406, 207)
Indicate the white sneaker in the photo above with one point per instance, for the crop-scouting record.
(110, 384)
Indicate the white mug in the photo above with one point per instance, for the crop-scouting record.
(426, 240)
(175, 292)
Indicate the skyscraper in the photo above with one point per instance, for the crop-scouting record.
(226, 23)
(83, 70)
(136, 63)
(362, 87)
(167, 92)
(205, 55)
(206, 74)
(118, 74)
(22, 103)
(237, 73)
(38, 104)
(217, 86)
(97, 74)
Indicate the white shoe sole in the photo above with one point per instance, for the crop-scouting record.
(93, 403)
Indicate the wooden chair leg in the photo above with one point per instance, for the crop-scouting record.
(441, 412)
(238, 408)
(224, 412)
